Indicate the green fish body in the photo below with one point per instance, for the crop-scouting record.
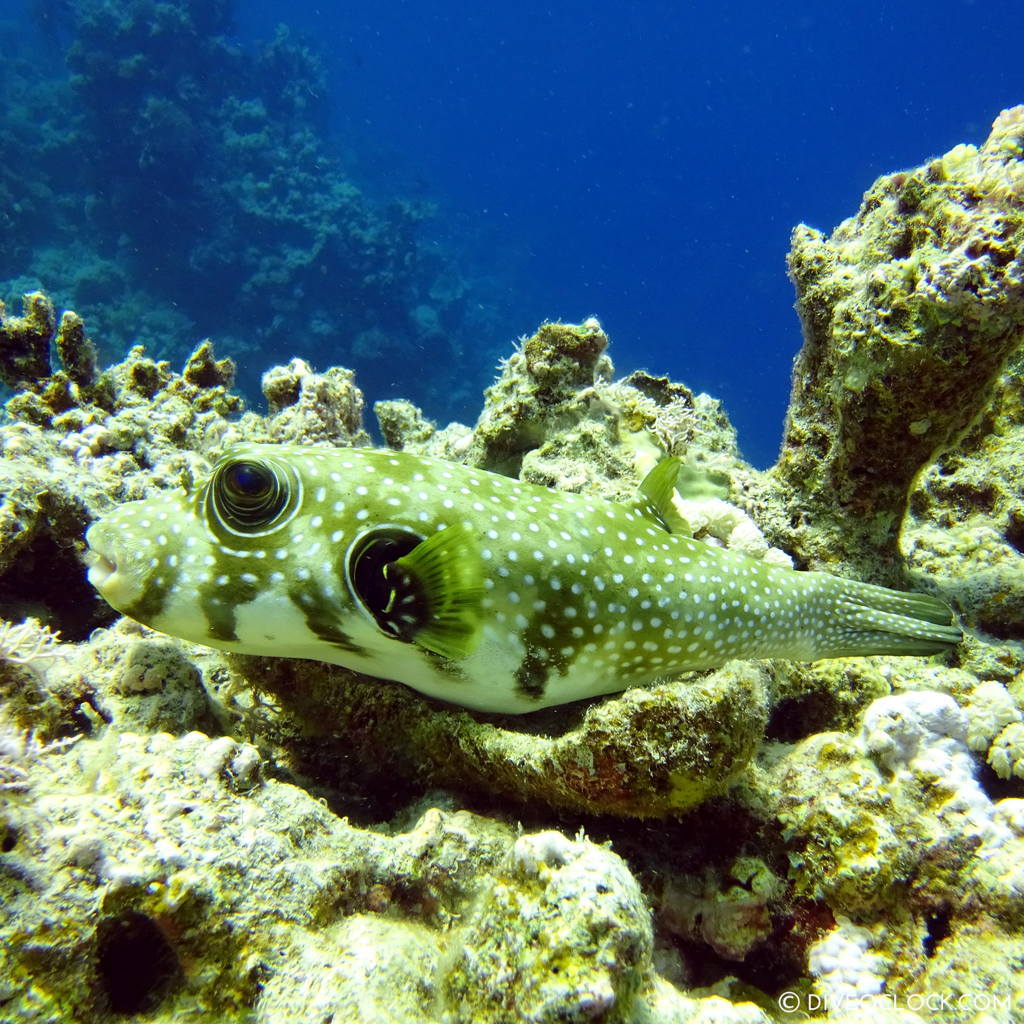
(472, 587)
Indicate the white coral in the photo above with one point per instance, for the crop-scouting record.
(716, 521)
(843, 964)
(20, 752)
(925, 733)
(918, 726)
(85, 445)
(997, 725)
(1010, 812)
(1006, 755)
(550, 848)
(28, 643)
(990, 709)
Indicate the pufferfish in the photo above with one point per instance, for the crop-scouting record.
(471, 587)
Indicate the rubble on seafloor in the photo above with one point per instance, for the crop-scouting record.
(189, 834)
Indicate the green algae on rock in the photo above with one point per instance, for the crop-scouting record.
(314, 408)
(402, 424)
(891, 827)
(556, 417)
(964, 527)
(545, 384)
(25, 342)
(585, 949)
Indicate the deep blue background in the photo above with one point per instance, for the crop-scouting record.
(645, 162)
(641, 162)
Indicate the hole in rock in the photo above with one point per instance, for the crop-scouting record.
(1015, 531)
(49, 583)
(797, 717)
(938, 929)
(996, 788)
(137, 966)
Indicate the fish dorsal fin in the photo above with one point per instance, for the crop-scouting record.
(654, 501)
(444, 577)
(700, 482)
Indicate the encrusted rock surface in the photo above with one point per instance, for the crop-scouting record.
(890, 827)
(910, 310)
(964, 530)
(650, 752)
(188, 884)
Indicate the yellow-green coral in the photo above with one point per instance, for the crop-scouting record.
(1006, 754)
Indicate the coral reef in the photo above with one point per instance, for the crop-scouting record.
(139, 426)
(37, 149)
(910, 310)
(78, 441)
(547, 384)
(556, 417)
(402, 424)
(184, 833)
(160, 855)
(577, 898)
(685, 745)
(25, 342)
(314, 408)
(891, 827)
(964, 529)
(162, 177)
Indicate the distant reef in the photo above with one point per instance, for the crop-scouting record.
(164, 180)
(188, 835)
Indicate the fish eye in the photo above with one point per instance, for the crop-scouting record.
(248, 481)
(247, 495)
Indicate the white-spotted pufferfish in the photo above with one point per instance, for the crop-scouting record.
(472, 587)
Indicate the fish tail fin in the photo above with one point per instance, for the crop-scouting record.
(868, 619)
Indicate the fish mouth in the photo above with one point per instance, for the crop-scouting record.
(106, 573)
(101, 568)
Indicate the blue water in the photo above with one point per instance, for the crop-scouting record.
(641, 162)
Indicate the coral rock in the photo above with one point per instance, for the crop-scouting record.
(910, 310)
(652, 751)
(25, 342)
(309, 407)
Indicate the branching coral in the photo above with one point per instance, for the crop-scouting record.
(28, 643)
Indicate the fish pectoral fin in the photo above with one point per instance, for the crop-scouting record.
(446, 573)
(654, 501)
